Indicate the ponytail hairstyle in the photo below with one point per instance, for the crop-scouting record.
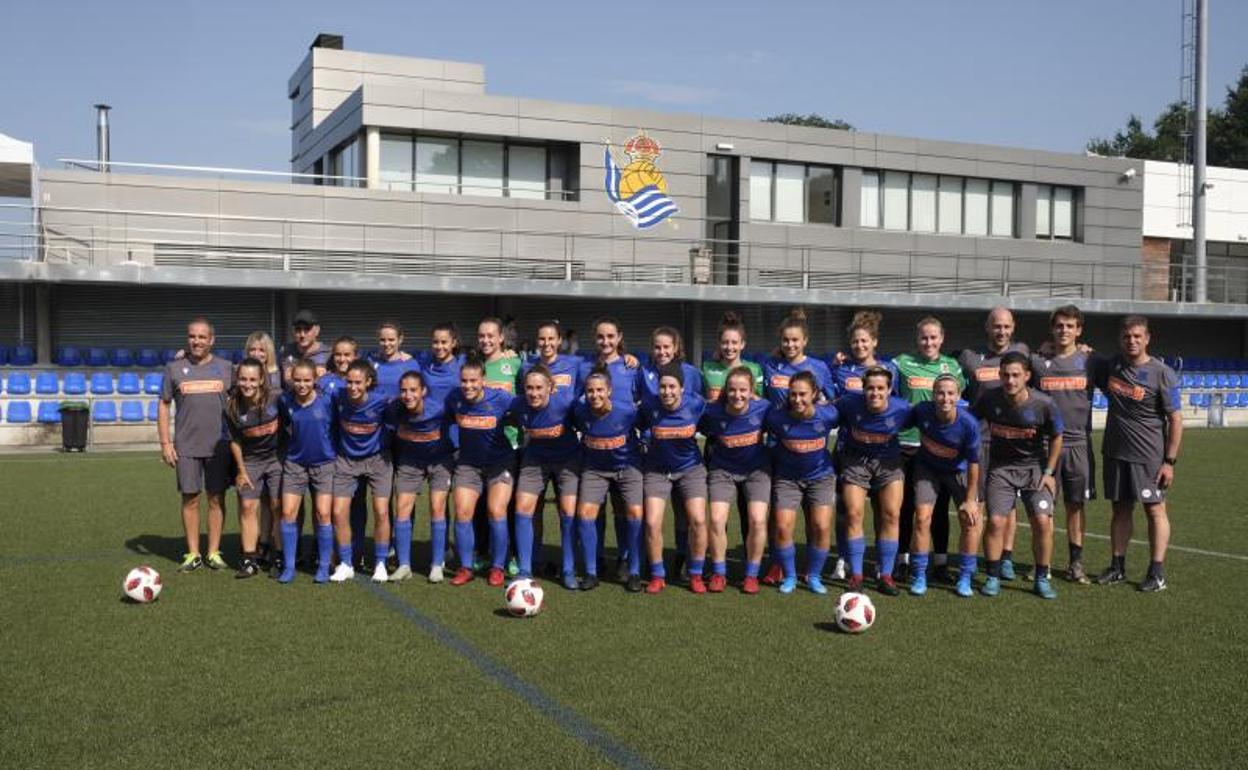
(677, 341)
(796, 319)
(551, 324)
(370, 374)
(415, 374)
(236, 406)
(473, 361)
(730, 321)
(450, 329)
(868, 321)
(737, 371)
(807, 377)
(542, 371)
(600, 372)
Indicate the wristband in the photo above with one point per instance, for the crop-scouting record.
(1171, 461)
(1049, 471)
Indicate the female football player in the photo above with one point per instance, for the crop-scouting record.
(259, 346)
(728, 356)
(363, 457)
(310, 455)
(666, 347)
(253, 420)
(390, 360)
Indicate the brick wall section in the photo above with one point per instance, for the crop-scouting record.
(1155, 260)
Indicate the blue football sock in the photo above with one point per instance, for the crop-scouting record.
(567, 543)
(403, 541)
(682, 541)
(857, 547)
(752, 568)
(623, 541)
(719, 568)
(498, 542)
(657, 569)
(632, 528)
(290, 545)
(437, 545)
(524, 542)
(888, 556)
(380, 552)
(345, 554)
(918, 563)
(324, 544)
(588, 530)
(465, 543)
(815, 559)
(697, 567)
(967, 564)
(787, 556)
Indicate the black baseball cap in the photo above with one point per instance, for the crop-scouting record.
(305, 318)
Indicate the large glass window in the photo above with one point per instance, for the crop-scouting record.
(482, 169)
(896, 194)
(793, 192)
(821, 194)
(526, 172)
(344, 164)
(437, 165)
(975, 207)
(790, 192)
(1055, 211)
(396, 162)
(923, 203)
(949, 201)
(870, 202)
(1003, 209)
(1044, 214)
(760, 190)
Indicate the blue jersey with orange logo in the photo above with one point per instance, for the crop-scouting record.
(608, 441)
(419, 438)
(778, 371)
(482, 440)
(565, 371)
(549, 437)
(330, 383)
(735, 441)
(390, 372)
(648, 381)
(309, 429)
(947, 447)
(441, 377)
(868, 433)
(360, 428)
(801, 452)
(672, 434)
(847, 377)
(623, 380)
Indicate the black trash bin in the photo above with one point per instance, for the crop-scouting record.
(75, 417)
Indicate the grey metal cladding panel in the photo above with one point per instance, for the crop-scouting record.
(819, 137)
(562, 112)
(897, 144)
(483, 104)
(1112, 236)
(497, 125)
(866, 158)
(932, 148)
(1007, 171)
(630, 119)
(810, 153)
(561, 131)
(263, 204)
(942, 164)
(896, 161)
(391, 96)
(1123, 218)
(725, 129)
(863, 141)
(392, 117)
(760, 149)
(398, 210)
(996, 154)
(301, 71)
(1117, 197)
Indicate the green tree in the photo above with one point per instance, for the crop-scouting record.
(813, 120)
(1228, 131)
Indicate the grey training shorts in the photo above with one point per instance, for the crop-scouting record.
(788, 495)
(478, 479)
(205, 474)
(296, 478)
(535, 476)
(1009, 482)
(870, 473)
(626, 481)
(411, 477)
(1127, 482)
(928, 482)
(266, 478)
(690, 484)
(1076, 474)
(375, 469)
(724, 486)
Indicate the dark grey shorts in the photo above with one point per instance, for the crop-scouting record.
(1127, 482)
(626, 481)
(871, 473)
(376, 470)
(266, 478)
(409, 477)
(1007, 483)
(205, 474)
(1076, 474)
(788, 495)
(690, 484)
(472, 477)
(296, 478)
(535, 476)
(928, 483)
(724, 486)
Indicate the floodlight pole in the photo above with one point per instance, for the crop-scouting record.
(1198, 159)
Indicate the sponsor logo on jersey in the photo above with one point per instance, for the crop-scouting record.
(358, 428)
(198, 387)
(554, 431)
(780, 381)
(740, 440)
(1011, 432)
(561, 380)
(506, 385)
(920, 383)
(477, 421)
(674, 432)
(987, 374)
(869, 437)
(937, 449)
(264, 429)
(1126, 389)
(1063, 383)
(419, 436)
(853, 384)
(804, 446)
(605, 443)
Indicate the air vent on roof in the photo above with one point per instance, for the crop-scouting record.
(326, 40)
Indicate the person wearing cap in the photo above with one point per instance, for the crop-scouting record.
(306, 330)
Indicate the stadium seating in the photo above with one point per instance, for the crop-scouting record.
(49, 412)
(96, 357)
(1233, 380)
(152, 410)
(132, 411)
(121, 357)
(1194, 400)
(18, 384)
(104, 411)
(152, 382)
(74, 384)
(68, 356)
(18, 412)
(168, 355)
(22, 355)
(101, 384)
(47, 384)
(128, 384)
(149, 357)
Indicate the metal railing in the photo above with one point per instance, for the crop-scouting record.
(106, 237)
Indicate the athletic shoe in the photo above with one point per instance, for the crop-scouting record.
(263, 555)
(1075, 573)
(190, 562)
(1153, 583)
(633, 585)
(1007, 570)
(322, 574)
(749, 586)
(379, 572)
(513, 567)
(775, 573)
(991, 586)
(569, 581)
(942, 575)
(1043, 589)
(918, 585)
(588, 583)
(696, 584)
(621, 570)
(965, 588)
(840, 570)
(1110, 576)
(494, 577)
(215, 561)
(402, 573)
(887, 586)
(249, 568)
(656, 585)
(462, 575)
(342, 573)
(277, 566)
(815, 584)
(716, 584)
(854, 583)
(788, 585)
(435, 573)
(479, 562)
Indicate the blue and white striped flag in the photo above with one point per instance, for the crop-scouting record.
(645, 208)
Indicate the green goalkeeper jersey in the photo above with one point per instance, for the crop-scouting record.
(915, 379)
(715, 375)
(504, 374)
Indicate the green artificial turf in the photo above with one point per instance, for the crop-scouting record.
(251, 673)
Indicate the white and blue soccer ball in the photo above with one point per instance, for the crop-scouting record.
(142, 585)
(854, 612)
(523, 598)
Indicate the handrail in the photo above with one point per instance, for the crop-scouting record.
(94, 165)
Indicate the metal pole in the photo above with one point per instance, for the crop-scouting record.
(1198, 162)
(101, 137)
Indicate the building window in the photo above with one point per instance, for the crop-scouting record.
(481, 167)
(396, 163)
(793, 193)
(1055, 212)
(975, 207)
(482, 172)
(923, 203)
(1003, 209)
(949, 205)
(870, 199)
(526, 172)
(344, 164)
(926, 203)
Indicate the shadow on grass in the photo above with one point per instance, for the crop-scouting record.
(172, 548)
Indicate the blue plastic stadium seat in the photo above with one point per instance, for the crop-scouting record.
(1205, 400)
(1210, 380)
(152, 410)
(152, 382)
(75, 384)
(22, 355)
(101, 384)
(1233, 379)
(1230, 400)
(168, 355)
(19, 384)
(104, 411)
(47, 384)
(18, 412)
(97, 357)
(1193, 400)
(69, 356)
(128, 384)
(132, 411)
(1189, 380)
(149, 357)
(121, 357)
(1224, 381)
(49, 412)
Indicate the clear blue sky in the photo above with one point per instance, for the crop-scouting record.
(203, 83)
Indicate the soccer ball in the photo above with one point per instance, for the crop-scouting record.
(524, 598)
(142, 584)
(854, 613)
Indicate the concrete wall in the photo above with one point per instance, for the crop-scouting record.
(1166, 215)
